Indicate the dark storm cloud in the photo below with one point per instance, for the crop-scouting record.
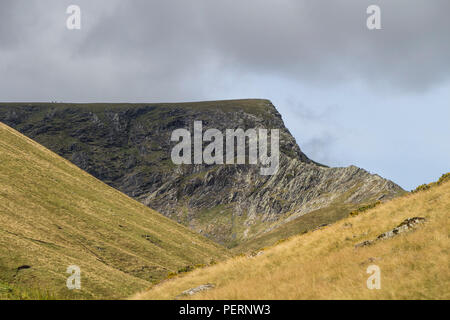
(177, 50)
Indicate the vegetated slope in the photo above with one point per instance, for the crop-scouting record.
(128, 146)
(311, 221)
(332, 263)
(54, 215)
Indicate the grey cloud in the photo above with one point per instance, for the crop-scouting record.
(15, 23)
(318, 148)
(327, 41)
(177, 50)
(316, 128)
(317, 41)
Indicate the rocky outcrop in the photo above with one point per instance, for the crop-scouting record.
(405, 226)
(192, 291)
(128, 147)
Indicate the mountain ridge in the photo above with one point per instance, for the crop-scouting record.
(128, 147)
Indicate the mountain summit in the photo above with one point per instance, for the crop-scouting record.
(128, 146)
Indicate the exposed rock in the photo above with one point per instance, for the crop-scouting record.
(195, 290)
(364, 243)
(370, 260)
(255, 254)
(406, 225)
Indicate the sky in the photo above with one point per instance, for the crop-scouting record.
(378, 99)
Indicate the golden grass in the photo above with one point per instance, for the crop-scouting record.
(324, 264)
(53, 215)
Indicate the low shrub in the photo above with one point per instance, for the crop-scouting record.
(423, 187)
(445, 177)
(362, 209)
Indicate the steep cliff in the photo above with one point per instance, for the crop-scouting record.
(128, 146)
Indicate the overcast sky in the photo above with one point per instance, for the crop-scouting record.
(379, 99)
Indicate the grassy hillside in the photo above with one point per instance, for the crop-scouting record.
(252, 106)
(53, 215)
(324, 264)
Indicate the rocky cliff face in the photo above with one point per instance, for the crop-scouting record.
(128, 146)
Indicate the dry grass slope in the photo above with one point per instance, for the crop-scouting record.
(53, 215)
(325, 264)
